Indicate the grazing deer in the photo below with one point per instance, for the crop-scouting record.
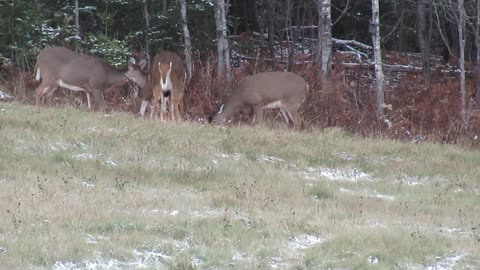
(61, 67)
(168, 82)
(267, 90)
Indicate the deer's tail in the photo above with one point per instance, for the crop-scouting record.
(38, 76)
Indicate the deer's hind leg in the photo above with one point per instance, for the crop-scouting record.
(258, 114)
(99, 101)
(156, 100)
(177, 108)
(293, 114)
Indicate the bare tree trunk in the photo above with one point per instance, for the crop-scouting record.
(147, 28)
(477, 45)
(186, 36)
(461, 40)
(77, 18)
(288, 23)
(223, 55)
(423, 39)
(260, 14)
(377, 51)
(77, 26)
(324, 37)
(164, 6)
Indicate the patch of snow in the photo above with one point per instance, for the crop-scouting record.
(234, 156)
(304, 241)
(140, 260)
(81, 145)
(411, 181)
(94, 239)
(174, 213)
(238, 256)
(84, 156)
(374, 195)
(205, 213)
(270, 159)
(346, 156)
(88, 185)
(446, 263)
(451, 231)
(372, 259)
(315, 173)
(4, 96)
(278, 263)
(196, 262)
(111, 163)
(118, 130)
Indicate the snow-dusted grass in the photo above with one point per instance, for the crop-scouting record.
(82, 190)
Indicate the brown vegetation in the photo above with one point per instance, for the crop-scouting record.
(347, 101)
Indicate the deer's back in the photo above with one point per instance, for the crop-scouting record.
(273, 85)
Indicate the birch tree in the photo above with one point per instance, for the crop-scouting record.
(324, 36)
(461, 40)
(77, 19)
(477, 45)
(147, 28)
(223, 55)
(186, 37)
(379, 77)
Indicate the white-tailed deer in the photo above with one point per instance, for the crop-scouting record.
(268, 90)
(61, 67)
(167, 82)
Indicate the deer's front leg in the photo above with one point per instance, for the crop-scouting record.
(99, 102)
(258, 114)
(156, 99)
(163, 107)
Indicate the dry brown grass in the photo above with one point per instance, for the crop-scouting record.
(80, 189)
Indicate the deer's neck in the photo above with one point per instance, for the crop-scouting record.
(231, 106)
(115, 77)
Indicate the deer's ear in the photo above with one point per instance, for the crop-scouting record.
(131, 62)
(143, 64)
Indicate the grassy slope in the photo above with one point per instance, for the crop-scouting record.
(77, 186)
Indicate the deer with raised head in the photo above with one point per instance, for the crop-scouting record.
(268, 90)
(61, 67)
(167, 82)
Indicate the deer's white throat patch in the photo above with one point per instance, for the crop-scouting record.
(166, 84)
(71, 87)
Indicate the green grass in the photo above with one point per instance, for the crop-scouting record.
(78, 187)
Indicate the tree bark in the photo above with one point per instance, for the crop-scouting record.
(423, 39)
(164, 6)
(77, 18)
(147, 27)
(223, 57)
(324, 37)
(377, 52)
(461, 41)
(260, 14)
(477, 45)
(186, 37)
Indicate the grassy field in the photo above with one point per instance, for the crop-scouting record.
(83, 190)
